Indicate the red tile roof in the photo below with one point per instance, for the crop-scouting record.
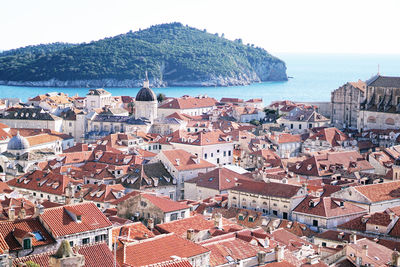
(187, 102)
(326, 163)
(165, 204)
(268, 189)
(48, 182)
(93, 253)
(380, 192)
(11, 229)
(234, 247)
(197, 223)
(219, 179)
(187, 161)
(61, 223)
(158, 249)
(327, 207)
(332, 135)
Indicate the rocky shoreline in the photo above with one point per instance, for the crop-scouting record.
(263, 73)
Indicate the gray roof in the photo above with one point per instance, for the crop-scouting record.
(148, 175)
(120, 119)
(306, 116)
(384, 81)
(30, 114)
(146, 94)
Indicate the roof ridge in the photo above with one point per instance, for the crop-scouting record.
(156, 237)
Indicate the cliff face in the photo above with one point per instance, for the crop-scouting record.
(172, 54)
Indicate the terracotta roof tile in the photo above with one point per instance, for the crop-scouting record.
(93, 253)
(165, 204)
(187, 161)
(143, 252)
(61, 223)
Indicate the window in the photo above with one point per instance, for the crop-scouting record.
(85, 241)
(299, 126)
(27, 243)
(205, 155)
(229, 153)
(212, 154)
(217, 150)
(224, 153)
(275, 212)
(171, 196)
(310, 125)
(38, 236)
(217, 160)
(174, 216)
(324, 244)
(315, 223)
(251, 219)
(265, 211)
(71, 243)
(183, 214)
(291, 126)
(241, 218)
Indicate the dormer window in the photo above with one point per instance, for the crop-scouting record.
(27, 243)
(78, 218)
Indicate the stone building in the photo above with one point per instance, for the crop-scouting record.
(346, 104)
(146, 103)
(381, 107)
(274, 199)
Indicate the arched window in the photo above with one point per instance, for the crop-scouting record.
(371, 119)
(389, 121)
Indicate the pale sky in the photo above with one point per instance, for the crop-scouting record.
(309, 26)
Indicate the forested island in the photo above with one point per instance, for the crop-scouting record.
(172, 54)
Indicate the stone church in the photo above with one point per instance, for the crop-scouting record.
(381, 107)
(346, 102)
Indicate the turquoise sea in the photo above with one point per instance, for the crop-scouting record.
(314, 77)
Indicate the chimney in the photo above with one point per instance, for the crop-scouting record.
(261, 257)
(396, 259)
(353, 239)
(39, 209)
(22, 213)
(365, 250)
(190, 234)
(266, 242)
(11, 214)
(218, 221)
(279, 253)
(177, 162)
(150, 224)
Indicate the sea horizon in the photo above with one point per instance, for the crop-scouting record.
(315, 76)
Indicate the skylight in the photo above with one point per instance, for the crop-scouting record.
(38, 236)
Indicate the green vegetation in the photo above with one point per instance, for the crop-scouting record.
(31, 264)
(161, 97)
(255, 122)
(169, 52)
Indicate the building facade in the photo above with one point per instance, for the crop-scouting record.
(346, 102)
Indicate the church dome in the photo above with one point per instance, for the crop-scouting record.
(18, 142)
(146, 94)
